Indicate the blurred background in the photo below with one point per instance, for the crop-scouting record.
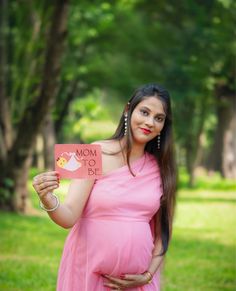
(67, 69)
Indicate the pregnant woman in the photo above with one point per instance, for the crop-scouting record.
(122, 222)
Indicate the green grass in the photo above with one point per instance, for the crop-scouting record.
(203, 180)
(202, 254)
(30, 248)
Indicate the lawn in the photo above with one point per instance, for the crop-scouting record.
(202, 255)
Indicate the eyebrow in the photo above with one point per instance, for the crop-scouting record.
(158, 114)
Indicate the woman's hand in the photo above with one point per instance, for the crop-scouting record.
(126, 281)
(45, 183)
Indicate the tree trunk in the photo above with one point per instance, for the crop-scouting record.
(194, 147)
(21, 201)
(5, 118)
(64, 110)
(48, 142)
(190, 165)
(222, 155)
(12, 176)
(229, 149)
(38, 153)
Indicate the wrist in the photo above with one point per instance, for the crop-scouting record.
(149, 276)
(49, 202)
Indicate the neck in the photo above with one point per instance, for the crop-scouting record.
(137, 150)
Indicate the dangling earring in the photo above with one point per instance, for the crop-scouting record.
(126, 118)
(158, 141)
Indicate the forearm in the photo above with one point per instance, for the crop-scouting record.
(156, 260)
(62, 216)
(70, 211)
(155, 264)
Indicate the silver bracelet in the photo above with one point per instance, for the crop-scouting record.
(50, 209)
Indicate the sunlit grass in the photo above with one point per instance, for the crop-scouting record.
(204, 180)
(30, 248)
(202, 255)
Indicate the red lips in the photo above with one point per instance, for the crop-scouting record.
(145, 130)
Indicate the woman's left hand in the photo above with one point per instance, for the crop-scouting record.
(126, 281)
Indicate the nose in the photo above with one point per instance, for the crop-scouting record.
(149, 121)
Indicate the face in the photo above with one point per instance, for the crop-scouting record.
(61, 162)
(147, 120)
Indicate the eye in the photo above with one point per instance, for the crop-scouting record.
(144, 112)
(159, 119)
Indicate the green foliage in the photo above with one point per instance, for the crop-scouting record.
(89, 119)
(115, 46)
(95, 130)
(28, 25)
(88, 22)
(116, 49)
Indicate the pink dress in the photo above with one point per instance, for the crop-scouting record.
(114, 234)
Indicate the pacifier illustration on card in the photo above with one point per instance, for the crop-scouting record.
(78, 160)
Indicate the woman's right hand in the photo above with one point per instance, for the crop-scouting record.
(45, 183)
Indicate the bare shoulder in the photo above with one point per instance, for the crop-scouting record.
(108, 146)
(111, 155)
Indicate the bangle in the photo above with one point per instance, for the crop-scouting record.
(150, 276)
(50, 209)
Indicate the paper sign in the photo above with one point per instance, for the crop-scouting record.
(74, 161)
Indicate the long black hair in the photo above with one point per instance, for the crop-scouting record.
(164, 156)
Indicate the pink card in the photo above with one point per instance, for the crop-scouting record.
(75, 161)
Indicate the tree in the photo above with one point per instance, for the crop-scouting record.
(14, 164)
(182, 49)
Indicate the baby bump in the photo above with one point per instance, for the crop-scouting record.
(115, 247)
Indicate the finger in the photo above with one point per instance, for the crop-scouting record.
(45, 177)
(41, 193)
(112, 286)
(50, 178)
(114, 280)
(43, 181)
(120, 282)
(45, 185)
(52, 173)
(131, 277)
(46, 191)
